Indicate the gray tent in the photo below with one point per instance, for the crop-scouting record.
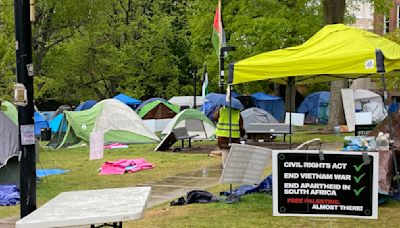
(9, 151)
(256, 115)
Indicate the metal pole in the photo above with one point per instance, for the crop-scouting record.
(290, 110)
(23, 47)
(230, 114)
(194, 84)
(221, 71)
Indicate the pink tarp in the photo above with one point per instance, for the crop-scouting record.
(125, 165)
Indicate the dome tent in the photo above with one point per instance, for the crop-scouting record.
(40, 123)
(9, 149)
(155, 108)
(194, 121)
(271, 104)
(118, 121)
(315, 106)
(256, 115)
(85, 105)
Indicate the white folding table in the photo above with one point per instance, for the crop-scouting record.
(90, 207)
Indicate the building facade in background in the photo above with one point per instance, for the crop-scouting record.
(388, 23)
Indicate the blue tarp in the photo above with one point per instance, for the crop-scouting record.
(220, 99)
(55, 122)
(86, 105)
(128, 100)
(264, 186)
(394, 107)
(48, 172)
(235, 94)
(40, 122)
(272, 104)
(315, 107)
(209, 109)
(9, 195)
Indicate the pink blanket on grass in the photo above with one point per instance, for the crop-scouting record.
(125, 165)
(116, 146)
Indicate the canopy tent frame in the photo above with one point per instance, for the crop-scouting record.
(353, 73)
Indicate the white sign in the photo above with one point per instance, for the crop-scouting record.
(27, 135)
(245, 164)
(363, 118)
(96, 145)
(297, 119)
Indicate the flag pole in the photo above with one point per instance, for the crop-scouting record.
(221, 52)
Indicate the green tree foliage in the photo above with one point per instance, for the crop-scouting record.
(253, 27)
(94, 49)
(7, 50)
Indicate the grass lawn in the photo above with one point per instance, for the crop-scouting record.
(254, 210)
(83, 173)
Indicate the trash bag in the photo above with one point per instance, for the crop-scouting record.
(195, 196)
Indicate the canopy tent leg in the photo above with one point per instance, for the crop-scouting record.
(290, 87)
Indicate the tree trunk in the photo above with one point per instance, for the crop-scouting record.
(333, 14)
(336, 112)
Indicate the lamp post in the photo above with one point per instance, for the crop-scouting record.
(193, 72)
(24, 100)
(221, 66)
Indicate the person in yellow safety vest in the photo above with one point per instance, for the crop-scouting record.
(222, 130)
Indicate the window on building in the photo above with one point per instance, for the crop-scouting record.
(398, 16)
(386, 24)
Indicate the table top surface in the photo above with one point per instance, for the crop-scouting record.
(89, 207)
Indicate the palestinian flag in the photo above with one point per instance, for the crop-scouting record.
(218, 38)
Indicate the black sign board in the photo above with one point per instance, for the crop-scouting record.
(363, 130)
(312, 183)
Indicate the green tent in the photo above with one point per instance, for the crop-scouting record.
(10, 111)
(118, 122)
(158, 109)
(335, 52)
(194, 121)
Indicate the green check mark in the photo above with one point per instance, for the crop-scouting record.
(358, 168)
(357, 192)
(357, 179)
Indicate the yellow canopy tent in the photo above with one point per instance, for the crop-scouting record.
(335, 52)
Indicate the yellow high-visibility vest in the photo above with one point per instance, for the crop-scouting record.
(222, 129)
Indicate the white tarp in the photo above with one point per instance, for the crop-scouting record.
(186, 101)
(363, 96)
(378, 111)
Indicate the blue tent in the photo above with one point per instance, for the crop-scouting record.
(85, 105)
(315, 106)
(40, 122)
(132, 102)
(272, 104)
(48, 115)
(55, 122)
